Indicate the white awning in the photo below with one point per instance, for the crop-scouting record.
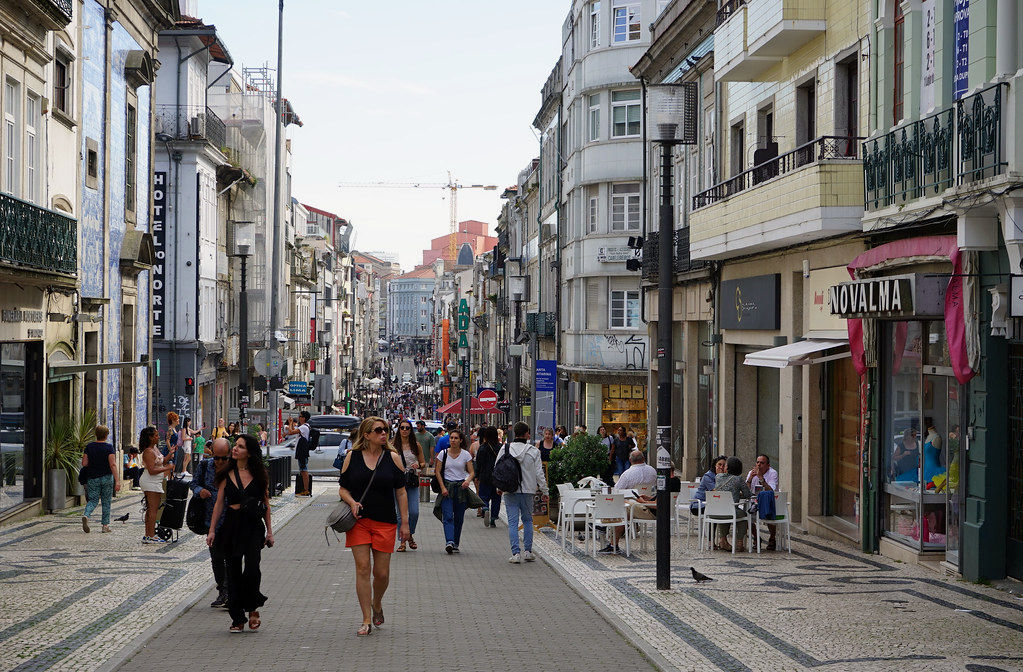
(798, 354)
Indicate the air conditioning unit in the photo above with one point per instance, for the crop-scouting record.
(196, 125)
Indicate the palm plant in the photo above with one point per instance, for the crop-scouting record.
(65, 442)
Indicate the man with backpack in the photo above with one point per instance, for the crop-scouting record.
(306, 443)
(518, 475)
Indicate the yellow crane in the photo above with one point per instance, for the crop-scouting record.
(452, 185)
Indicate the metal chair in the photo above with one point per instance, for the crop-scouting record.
(720, 510)
(781, 519)
(607, 511)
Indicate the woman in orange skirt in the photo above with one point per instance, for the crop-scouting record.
(373, 473)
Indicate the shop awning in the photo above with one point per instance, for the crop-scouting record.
(810, 351)
(474, 407)
(61, 369)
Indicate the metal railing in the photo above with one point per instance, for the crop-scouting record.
(544, 325)
(824, 148)
(728, 8)
(958, 145)
(37, 238)
(482, 321)
(682, 261)
(191, 122)
(310, 351)
(502, 306)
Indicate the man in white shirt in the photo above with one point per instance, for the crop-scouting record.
(764, 477)
(639, 476)
(301, 450)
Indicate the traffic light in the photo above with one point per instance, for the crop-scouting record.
(189, 385)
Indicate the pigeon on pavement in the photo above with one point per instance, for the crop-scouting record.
(699, 578)
(124, 518)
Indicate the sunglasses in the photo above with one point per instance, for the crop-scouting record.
(379, 430)
(406, 428)
(220, 459)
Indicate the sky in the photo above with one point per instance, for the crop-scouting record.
(403, 91)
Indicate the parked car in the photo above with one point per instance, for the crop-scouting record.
(321, 460)
(432, 426)
(334, 423)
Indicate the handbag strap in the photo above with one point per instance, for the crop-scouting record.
(372, 475)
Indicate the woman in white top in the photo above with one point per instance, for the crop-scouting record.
(412, 457)
(455, 469)
(185, 437)
(151, 480)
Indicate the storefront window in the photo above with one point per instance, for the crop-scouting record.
(705, 404)
(625, 406)
(12, 424)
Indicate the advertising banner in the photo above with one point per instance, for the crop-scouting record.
(546, 392)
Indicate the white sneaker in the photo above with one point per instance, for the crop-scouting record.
(486, 518)
(515, 559)
(185, 474)
(528, 556)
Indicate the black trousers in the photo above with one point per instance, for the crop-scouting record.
(243, 577)
(219, 562)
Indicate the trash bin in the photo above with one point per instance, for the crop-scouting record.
(424, 488)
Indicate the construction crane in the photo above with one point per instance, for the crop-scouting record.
(452, 186)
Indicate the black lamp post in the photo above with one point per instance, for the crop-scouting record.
(244, 237)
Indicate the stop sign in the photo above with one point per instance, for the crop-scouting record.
(488, 399)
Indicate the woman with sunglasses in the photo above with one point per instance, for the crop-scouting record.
(372, 477)
(412, 460)
(456, 473)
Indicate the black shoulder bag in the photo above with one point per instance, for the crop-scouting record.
(251, 506)
(435, 481)
(411, 477)
(195, 512)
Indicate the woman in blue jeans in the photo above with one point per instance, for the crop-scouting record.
(486, 457)
(104, 477)
(412, 457)
(454, 466)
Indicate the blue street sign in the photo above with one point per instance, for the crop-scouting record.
(298, 387)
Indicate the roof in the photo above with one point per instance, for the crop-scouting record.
(207, 34)
(320, 212)
(422, 271)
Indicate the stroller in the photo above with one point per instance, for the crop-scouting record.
(173, 515)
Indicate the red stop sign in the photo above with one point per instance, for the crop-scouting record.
(488, 399)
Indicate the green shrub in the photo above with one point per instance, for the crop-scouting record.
(584, 456)
(65, 443)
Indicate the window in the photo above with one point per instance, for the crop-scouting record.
(31, 149)
(806, 121)
(594, 24)
(899, 63)
(591, 215)
(62, 83)
(624, 309)
(91, 163)
(593, 122)
(130, 149)
(625, 206)
(626, 25)
(738, 142)
(11, 137)
(625, 113)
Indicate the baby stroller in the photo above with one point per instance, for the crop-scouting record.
(173, 515)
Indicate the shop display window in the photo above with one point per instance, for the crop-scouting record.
(12, 424)
(625, 405)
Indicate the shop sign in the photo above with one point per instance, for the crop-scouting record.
(877, 297)
(817, 303)
(961, 21)
(751, 303)
(615, 254)
(463, 325)
(159, 273)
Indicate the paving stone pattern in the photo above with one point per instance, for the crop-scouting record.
(826, 606)
(69, 600)
(482, 612)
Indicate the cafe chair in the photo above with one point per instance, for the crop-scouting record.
(572, 509)
(683, 508)
(647, 525)
(719, 510)
(781, 519)
(607, 511)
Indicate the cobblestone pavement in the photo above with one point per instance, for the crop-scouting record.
(826, 606)
(466, 612)
(71, 601)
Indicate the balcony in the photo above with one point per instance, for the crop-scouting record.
(502, 306)
(755, 35)
(37, 239)
(53, 14)
(310, 351)
(544, 325)
(808, 193)
(683, 263)
(193, 123)
(954, 147)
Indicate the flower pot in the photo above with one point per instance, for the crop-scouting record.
(56, 489)
(77, 489)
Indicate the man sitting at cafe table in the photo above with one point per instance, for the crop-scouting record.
(639, 476)
(764, 477)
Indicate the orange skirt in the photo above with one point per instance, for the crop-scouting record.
(378, 535)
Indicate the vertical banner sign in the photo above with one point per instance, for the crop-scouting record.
(927, 80)
(463, 325)
(961, 19)
(546, 392)
(159, 274)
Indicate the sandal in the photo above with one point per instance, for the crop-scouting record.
(364, 630)
(412, 543)
(401, 548)
(237, 628)
(378, 617)
(254, 621)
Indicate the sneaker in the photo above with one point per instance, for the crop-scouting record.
(449, 548)
(106, 528)
(528, 556)
(515, 559)
(486, 518)
(221, 601)
(185, 474)
(85, 524)
(455, 549)
(608, 549)
(149, 540)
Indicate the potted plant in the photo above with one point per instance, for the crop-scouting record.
(65, 442)
(582, 456)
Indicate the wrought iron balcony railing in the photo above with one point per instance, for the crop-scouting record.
(682, 262)
(827, 147)
(958, 145)
(482, 321)
(191, 122)
(544, 325)
(310, 351)
(37, 238)
(728, 8)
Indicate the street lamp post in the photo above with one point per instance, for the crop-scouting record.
(672, 106)
(244, 237)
